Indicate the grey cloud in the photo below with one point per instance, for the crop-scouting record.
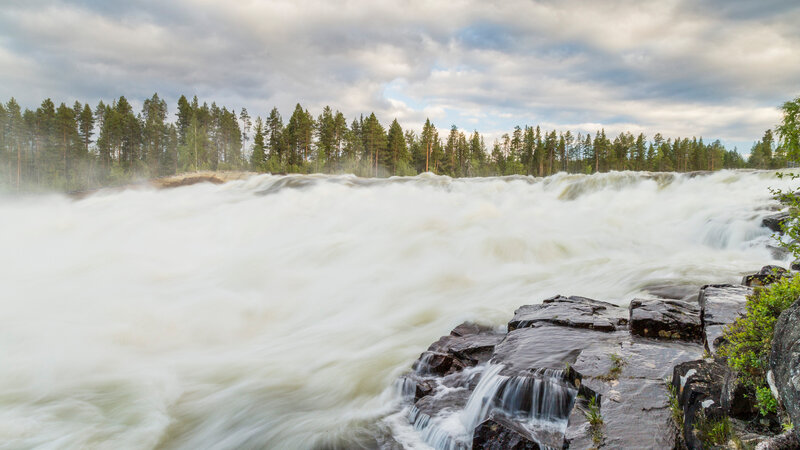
(669, 65)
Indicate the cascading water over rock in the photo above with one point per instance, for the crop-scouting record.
(213, 315)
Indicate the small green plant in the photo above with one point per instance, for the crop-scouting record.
(765, 402)
(712, 432)
(617, 363)
(595, 419)
(674, 407)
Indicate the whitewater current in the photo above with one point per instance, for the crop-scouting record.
(277, 311)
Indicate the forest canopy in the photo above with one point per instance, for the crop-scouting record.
(79, 147)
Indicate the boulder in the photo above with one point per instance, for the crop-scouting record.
(500, 433)
(466, 346)
(720, 305)
(767, 275)
(785, 362)
(775, 221)
(574, 312)
(698, 385)
(665, 319)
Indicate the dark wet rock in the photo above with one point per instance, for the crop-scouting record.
(470, 328)
(775, 221)
(423, 388)
(437, 363)
(699, 386)
(500, 433)
(468, 350)
(574, 312)
(795, 265)
(767, 275)
(720, 304)
(736, 399)
(665, 319)
(641, 358)
(643, 402)
(466, 346)
(579, 431)
(448, 400)
(785, 362)
(545, 347)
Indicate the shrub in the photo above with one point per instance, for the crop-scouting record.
(748, 340)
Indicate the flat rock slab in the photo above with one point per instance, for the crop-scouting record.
(545, 347)
(666, 319)
(636, 415)
(574, 312)
(720, 305)
(640, 358)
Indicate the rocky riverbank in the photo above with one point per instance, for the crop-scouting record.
(573, 372)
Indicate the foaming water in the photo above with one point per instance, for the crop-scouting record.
(278, 311)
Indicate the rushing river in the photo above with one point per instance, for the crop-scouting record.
(276, 312)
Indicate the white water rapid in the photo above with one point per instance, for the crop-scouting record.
(277, 312)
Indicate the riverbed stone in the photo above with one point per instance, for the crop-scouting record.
(665, 319)
(573, 312)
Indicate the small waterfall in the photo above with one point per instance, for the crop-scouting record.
(436, 435)
(539, 400)
(423, 365)
(405, 388)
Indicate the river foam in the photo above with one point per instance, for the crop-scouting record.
(277, 311)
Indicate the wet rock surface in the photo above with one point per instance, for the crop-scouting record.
(532, 386)
(720, 304)
(775, 221)
(573, 312)
(785, 362)
(698, 385)
(500, 433)
(666, 319)
(767, 275)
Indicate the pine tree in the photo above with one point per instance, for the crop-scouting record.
(258, 159)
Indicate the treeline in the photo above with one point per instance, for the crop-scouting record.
(80, 147)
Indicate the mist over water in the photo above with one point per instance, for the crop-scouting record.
(277, 311)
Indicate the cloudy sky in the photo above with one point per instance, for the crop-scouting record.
(683, 68)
